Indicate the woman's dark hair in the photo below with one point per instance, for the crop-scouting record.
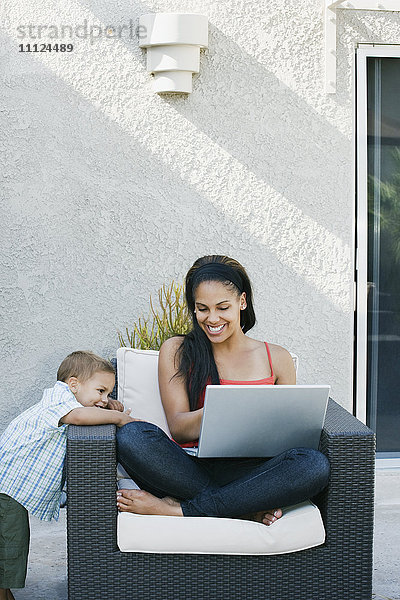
(195, 356)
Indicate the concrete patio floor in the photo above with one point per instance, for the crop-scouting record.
(47, 579)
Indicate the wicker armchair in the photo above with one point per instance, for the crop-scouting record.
(341, 569)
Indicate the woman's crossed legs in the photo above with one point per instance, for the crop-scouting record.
(176, 483)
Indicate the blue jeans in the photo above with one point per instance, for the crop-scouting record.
(218, 487)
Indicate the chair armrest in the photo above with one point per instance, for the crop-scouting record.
(91, 489)
(347, 505)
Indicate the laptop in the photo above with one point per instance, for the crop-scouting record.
(260, 420)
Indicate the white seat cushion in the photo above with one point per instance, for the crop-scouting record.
(299, 528)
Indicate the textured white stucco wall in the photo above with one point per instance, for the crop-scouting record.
(109, 190)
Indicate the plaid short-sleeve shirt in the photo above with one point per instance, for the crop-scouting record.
(32, 453)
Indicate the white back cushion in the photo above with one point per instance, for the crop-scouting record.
(138, 385)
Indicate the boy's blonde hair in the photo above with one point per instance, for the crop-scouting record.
(83, 365)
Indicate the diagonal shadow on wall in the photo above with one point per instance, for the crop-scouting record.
(262, 123)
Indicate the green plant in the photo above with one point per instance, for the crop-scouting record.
(171, 318)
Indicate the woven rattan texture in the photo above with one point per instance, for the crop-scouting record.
(341, 569)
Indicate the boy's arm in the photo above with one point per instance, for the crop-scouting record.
(92, 415)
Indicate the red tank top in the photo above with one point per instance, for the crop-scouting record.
(266, 381)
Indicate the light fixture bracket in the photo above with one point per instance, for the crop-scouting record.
(330, 8)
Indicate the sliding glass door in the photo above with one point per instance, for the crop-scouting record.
(378, 276)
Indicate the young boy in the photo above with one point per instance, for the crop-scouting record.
(32, 453)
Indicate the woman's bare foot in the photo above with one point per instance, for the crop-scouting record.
(144, 503)
(267, 517)
(6, 594)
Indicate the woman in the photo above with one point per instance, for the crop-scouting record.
(217, 351)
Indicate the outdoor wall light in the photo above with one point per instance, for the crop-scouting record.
(173, 42)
